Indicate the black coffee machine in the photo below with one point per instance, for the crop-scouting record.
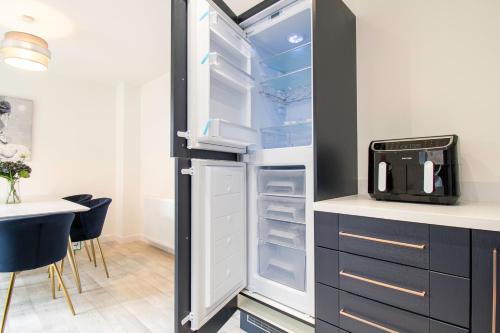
(415, 170)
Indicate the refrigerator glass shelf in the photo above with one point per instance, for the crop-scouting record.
(288, 135)
(290, 60)
(285, 98)
(289, 81)
(230, 72)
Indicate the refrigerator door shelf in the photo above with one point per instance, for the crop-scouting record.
(283, 233)
(290, 60)
(221, 132)
(283, 265)
(289, 182)
(226, 35)
(229, 72)
(282, 208)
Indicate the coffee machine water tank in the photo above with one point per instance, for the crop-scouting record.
(415, 170)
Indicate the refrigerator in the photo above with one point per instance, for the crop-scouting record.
(264, 122)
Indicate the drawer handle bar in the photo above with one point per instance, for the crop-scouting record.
(385, 241)
(494, 301)
(366, 322)
(382, 284)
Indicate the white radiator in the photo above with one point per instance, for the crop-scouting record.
(159, 222)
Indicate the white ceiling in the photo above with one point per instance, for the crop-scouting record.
(108, 41)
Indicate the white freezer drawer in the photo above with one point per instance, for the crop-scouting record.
(282, 208)
(283, 233)
(282, 182)
(283, 265)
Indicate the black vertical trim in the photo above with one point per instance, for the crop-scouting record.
(334, 96)
(182, 244)
(178, 84)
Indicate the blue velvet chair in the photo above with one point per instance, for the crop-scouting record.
(88, 226)
(31, 243)
(79, 198)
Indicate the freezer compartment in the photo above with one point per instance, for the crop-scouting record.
(282, 208)
(283, 265)
(283, 233)
(227, 35)
(218, 131)
(289, 135)
(282, 181)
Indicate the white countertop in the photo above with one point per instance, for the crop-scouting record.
(39, 207)
(473, 215)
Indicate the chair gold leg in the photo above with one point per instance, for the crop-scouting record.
(62, 270)
(93, 252)
(102, 256)
(74, 267)
(66, 295)
(7, 301)
(52, 285)
(87, 250)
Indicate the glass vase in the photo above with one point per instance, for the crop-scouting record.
(13, 194)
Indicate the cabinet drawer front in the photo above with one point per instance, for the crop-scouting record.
(326, 265)
(485, 281)
(327, 304)
(360, 315)
(402, 286)
(326, 230)
(449, 250)
(439, 327)
(324, 327)
(400, 242)
(450, 298)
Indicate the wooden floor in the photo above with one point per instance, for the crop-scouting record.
(138, 297)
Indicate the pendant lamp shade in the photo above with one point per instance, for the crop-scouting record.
(25, 51)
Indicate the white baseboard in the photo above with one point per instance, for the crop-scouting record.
(157, 245)
(121, 239)
(135, 238)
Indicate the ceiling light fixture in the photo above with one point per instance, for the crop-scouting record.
(295, 38)
(25, 51)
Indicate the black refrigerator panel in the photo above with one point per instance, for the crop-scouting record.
(334, 100)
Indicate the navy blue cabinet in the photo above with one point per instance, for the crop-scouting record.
(485, 273)
(376, 274)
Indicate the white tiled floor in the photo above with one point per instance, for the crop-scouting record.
(137, 298)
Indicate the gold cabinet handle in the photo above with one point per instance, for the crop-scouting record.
(366, 322)
(494, 292)
(382, 284)
(384, 241)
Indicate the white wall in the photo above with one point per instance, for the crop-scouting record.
(128, 173)
(73, 135)
(428, 68)
(157, 168)
(107, 140)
